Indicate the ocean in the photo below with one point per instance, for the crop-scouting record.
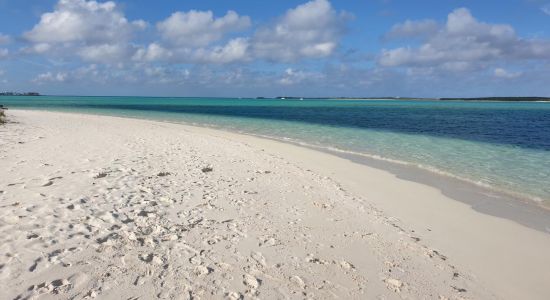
(503, 146)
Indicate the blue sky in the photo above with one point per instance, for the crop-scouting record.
(267, 48)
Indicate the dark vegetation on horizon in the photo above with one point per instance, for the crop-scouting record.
(419, 98)
(19, 94)
(502, 99)
(505, 98)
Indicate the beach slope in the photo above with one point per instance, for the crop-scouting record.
(114, 208)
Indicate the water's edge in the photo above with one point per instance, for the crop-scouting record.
(482, 199)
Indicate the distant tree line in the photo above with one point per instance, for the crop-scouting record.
(500, 99)
(19, 94)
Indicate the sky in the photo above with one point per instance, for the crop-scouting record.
(353, 48)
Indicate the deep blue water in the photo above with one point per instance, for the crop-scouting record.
(514, 123)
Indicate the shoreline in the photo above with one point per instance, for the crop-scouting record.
(489, 200)
(411, 171)
(415, 222)
(388, 164)
(406, 170)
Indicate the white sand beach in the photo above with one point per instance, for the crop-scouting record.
(115, 208)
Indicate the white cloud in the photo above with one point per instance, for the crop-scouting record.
(200, 28)
(464, 40)
(4, 39)
(153, 52)
(235, 50)
(292, 76)
(421, 28)
(97, 31)
(196, 37)
(546, 9)
(4, 53)
(37, 48)
(50, 77)
(140, 24)
(93, 73)
(105, 53)
(82, 21)
(310, 30)
(502, 73)
(166, 75)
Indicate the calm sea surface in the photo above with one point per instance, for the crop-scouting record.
(501, 145)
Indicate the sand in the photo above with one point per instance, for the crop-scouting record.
(114, 208)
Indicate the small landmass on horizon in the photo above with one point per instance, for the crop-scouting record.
(505, 98)
(19, 94)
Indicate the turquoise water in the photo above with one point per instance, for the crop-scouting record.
(500, 145)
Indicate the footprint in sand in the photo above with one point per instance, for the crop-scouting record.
(101, 175)
(151, 258)
(200, 271)
(346, 265)
(297, 280)
(394, 284)
(259, 259)
(251, 282)
(32, 268)
(234, 296)
(312, 259)
(51, 181)
(267, 241)
(58, 286)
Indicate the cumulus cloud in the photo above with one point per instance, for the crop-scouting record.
(197, 37)
(235, 50)
(105, 53)
(82, 21)
(153, 52)
(93, 73)
(4, 39)
(410, 29)
(463, 40)
(37, 48)
(98, 31)
(165, 75)
(50, 77)
(292, 76)
(502, 73)
(200, 28)
(4, 53)
(310, 30)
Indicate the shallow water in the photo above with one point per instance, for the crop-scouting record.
(501, 145)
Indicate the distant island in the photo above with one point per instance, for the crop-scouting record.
(500, 99)
(524, 99)
(505, 98)
(19, 94)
